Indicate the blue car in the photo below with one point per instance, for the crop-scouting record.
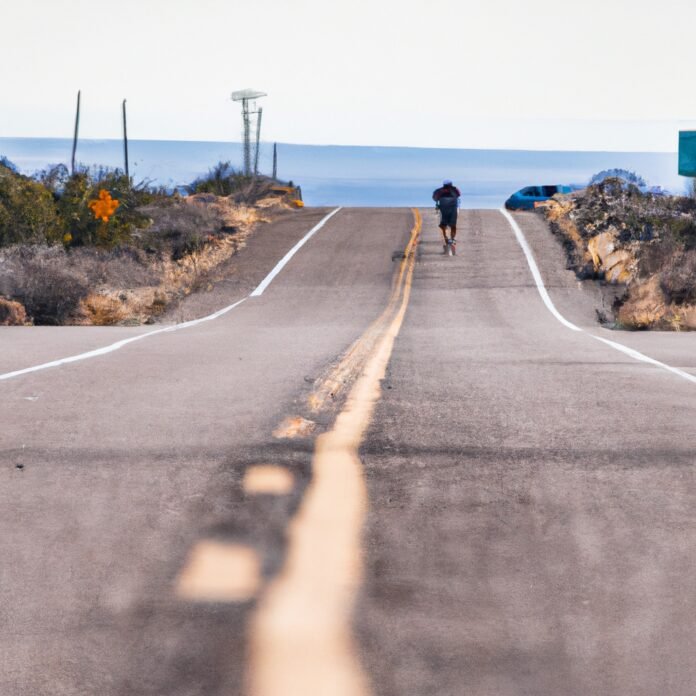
(526, 198)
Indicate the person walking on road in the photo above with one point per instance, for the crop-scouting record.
(447, 201)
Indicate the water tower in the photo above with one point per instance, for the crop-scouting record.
(248, 98)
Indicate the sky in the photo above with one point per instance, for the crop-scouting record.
(601, 74)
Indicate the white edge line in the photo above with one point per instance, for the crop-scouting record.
(522, 241)
(279, 266)
(119, 344)
(636, 355)
(177, 327)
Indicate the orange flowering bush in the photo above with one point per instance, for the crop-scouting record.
(104, 207)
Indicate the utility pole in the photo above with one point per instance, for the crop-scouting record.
(77, 128)
(275, 161)
(247, 137)
(248, 98)
(258, 137)
(125, 142)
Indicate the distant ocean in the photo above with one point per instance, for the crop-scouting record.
(356, 176)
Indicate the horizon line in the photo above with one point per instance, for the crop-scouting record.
(339, 145)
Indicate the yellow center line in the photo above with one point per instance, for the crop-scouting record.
(301, 641)
(330, 386)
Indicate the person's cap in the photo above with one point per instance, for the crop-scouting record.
(447, 182)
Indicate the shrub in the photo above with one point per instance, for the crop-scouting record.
(224, 180)
(27, 210)
(12, 313)
(80, 222)
(74, 210)
(179, 228)
(40, 278)
(125, 266)
(684, 231)
(4, 162)
(104, 311)
(75, 193)
(691, 189)
(54, 178)
(51, 281)
(678, 279)
(622, 174)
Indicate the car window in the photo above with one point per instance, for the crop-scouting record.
(550, 190)
(529, 191)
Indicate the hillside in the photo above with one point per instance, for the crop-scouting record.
(92, 248)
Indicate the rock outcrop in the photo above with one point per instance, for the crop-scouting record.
(643, 243)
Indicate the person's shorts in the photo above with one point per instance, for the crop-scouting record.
(448, 217)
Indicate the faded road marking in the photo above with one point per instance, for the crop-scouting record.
(301, 640)
(268, 479)
(329, 387)
(632, 353)
(296, 426)
(220, 572)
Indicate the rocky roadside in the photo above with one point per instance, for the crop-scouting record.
(641, 244)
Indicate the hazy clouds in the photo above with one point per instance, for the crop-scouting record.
(389, 72)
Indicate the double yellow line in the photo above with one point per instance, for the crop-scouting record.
(329, 388)
(301, 642)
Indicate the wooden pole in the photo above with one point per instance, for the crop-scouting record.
(247, 137)
(275, 161)
(258, 137)
(77, 128)
(125, 142)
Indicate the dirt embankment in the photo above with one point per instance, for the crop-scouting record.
(177, 254)
(179, 273)
(643, 244)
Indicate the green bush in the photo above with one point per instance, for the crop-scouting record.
(224, 180)
(678, 278)
(27, 210)
(54, 207)
(73, 194)
(53, 178)
(80, 223)
(684, 231)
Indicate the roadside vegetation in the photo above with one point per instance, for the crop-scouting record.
(643, 243)
(93, 248)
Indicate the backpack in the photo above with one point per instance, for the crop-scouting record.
(448, 203)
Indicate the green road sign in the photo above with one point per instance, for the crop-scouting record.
(687, 153)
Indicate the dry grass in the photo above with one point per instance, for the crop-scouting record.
(44, 280)
(678, 277)
(12, 313)
(644, 306)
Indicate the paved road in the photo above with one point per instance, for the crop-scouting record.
(527, 521)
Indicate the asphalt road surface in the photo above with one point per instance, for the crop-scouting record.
(393, 472)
